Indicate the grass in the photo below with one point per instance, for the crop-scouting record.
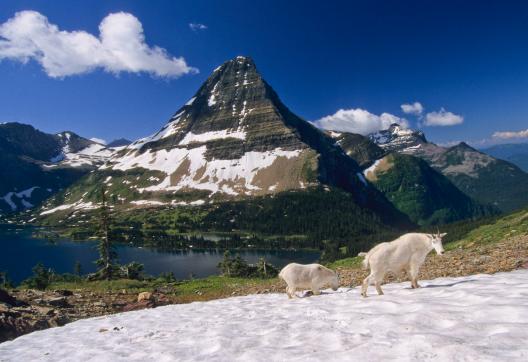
(188, 290)
(509, 226)
(352, 262)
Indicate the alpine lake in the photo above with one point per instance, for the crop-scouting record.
(21, 248)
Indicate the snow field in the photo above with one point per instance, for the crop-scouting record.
(474, 318)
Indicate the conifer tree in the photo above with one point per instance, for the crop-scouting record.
(107, 253)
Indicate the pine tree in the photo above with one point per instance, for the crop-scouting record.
(107, 253)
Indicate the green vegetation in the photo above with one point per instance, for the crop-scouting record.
(107, 254)
(41, 278)
(326, 219)
(238, 267)
(425, 195)
(5, 282)
(512, 225)
(351, 262)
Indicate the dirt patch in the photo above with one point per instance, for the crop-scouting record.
(385, 164)
(181, 171)
(284, 174)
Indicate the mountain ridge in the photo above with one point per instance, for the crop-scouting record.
(478, 175)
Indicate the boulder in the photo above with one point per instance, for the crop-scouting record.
(6, 298)
(145, 296)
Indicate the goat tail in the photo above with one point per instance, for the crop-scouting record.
(365, 262)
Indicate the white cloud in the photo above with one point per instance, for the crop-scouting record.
(415, 108)
(120, 47)
(511, 134)
(197, 26)
(359, 121)
(442, 118)
(98, 140)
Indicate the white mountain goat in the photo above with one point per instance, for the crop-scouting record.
(311, 276)
(407, 253)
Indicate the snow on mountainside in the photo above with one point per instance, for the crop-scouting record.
(229, 139)
(475, 318)
(77, 151)
(398, 138)
(36, 164)
(233, 139)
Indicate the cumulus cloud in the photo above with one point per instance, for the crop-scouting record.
(511, 134)
(98, 140)
(415, 108)
(442, 118)
(120, 47)
(359, 121)
(197, 26)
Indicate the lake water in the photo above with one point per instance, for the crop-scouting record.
(19, 252)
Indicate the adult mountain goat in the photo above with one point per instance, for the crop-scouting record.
(407, 253)
(311, 276)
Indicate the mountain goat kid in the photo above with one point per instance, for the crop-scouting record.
(407, 253)
(311, 276)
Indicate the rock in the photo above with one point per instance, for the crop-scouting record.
(100, 304)
(138, 305)
(58, 302)
(145, 296)
(58, 321)
(4, 308)
(63, 292)
(118, 303)
(102, 330)
(6, 298)
(44, 310)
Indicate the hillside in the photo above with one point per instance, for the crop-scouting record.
(480, 176)
(516, 153)
(37, 165)
(414, 187)
(422, 193)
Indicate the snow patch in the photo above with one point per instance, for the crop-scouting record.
(475, 318)
(212, 135)
(148, 202)
(79, 205)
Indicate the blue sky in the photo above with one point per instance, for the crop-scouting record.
(469, 58)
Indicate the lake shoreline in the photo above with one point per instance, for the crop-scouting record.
(61, 253)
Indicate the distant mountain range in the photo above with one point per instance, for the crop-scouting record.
(36, 165)
(119, 143)
(516, 153)
(480, 176)
(235, 157)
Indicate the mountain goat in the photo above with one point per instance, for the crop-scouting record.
(311, 276)
(407, 253)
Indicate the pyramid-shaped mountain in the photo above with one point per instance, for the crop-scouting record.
(233, 140)
(235, 137)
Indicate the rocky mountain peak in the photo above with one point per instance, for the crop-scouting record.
(398, 138)
(463, 146)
